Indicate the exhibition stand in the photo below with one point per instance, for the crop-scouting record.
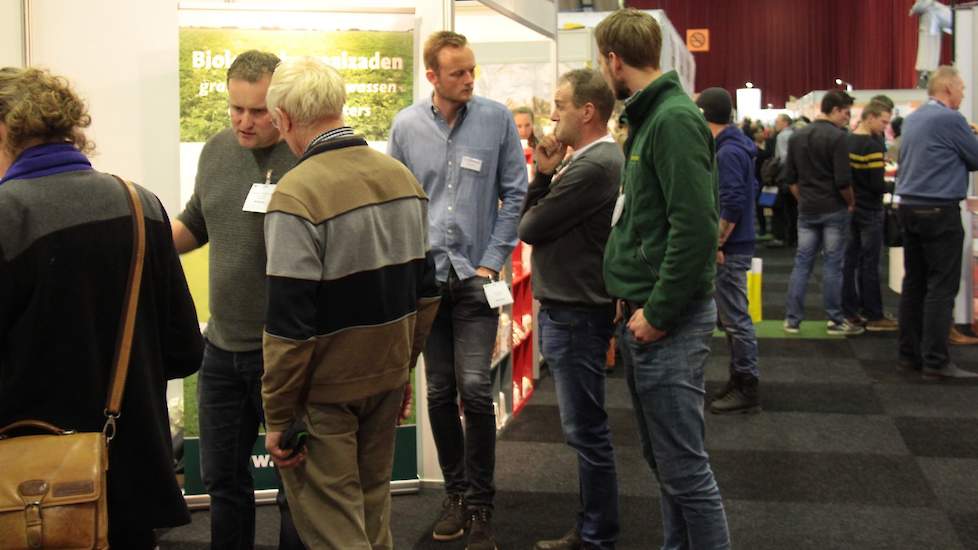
(157, 91)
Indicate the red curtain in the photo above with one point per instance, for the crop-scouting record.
(791, 47)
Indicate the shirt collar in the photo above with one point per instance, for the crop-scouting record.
(330, 135)
(606, 139)
(459, 117)
(936, 101)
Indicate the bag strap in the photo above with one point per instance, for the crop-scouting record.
(123, 347)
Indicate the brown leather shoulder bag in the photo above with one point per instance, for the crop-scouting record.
(53, 491)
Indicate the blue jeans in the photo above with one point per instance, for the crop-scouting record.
(574, 343)
(731, 296)
(861, 292)
(457, 359)
(229, 400)
(665, 379)
(827, 232)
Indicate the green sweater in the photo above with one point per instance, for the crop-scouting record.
(662, 251)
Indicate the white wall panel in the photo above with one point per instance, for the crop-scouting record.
(11, 33)
(121, 56)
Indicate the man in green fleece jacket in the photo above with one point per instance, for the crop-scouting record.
(659, 264)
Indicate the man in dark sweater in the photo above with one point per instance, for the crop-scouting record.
(660, 262)
(735, 162)
(862, 299)
(818, 174)
(567, 218)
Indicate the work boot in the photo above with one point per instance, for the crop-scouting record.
(742, 399)
(570, 541)
(451, 522)
(480, 530)
(726, 387)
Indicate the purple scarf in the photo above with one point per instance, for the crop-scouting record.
(46, 159)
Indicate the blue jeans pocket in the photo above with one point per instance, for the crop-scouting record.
(677, 360)
(562, 319)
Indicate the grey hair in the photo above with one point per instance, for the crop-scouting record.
(307, 89)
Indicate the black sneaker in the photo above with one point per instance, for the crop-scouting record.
(480, 531)
(845, 328)
(451, 522)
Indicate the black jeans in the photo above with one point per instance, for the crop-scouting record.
(932, 247)
(457, 360)
(784, 224)
(861, 291)
(229, 396)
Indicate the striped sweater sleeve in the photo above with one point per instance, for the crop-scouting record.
(295, 254)
(429, 299)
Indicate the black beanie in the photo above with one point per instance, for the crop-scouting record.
(716, 105)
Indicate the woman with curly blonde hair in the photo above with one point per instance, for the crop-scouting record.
(65, 248)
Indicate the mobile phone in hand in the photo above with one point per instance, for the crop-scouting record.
(294, 439)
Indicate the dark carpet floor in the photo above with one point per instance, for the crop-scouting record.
(849, 453)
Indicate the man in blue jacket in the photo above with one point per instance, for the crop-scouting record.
(938, 150)
(738, 187)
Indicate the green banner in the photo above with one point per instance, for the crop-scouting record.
(263, 470)
(405, 450)
(378, 67)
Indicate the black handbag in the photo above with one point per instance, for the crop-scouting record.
(892, 228)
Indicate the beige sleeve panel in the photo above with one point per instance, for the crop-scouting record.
(287, 364)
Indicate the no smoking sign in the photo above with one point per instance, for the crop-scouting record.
(698, 40)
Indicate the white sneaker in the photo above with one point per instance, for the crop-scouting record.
(845, 328)
(790, 328)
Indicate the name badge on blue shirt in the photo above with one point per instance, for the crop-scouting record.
(470, 163)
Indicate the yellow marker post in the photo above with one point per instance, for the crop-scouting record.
(754, 289)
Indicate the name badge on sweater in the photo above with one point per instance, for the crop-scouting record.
(470, 163)
(619, 208)
(498, 294)
(258, 198)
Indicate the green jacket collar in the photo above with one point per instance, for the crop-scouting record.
(641, 105)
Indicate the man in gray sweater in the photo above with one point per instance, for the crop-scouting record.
(567, 218)
(227, 211)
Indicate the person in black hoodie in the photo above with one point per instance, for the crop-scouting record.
(736, 154)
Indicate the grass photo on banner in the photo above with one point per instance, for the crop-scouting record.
(378, 67)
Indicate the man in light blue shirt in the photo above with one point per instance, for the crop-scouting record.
(938, 150)
(466, 153)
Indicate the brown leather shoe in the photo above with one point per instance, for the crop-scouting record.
(570, 541)
(958, 338)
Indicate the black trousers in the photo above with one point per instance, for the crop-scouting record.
(784, 223)
(932, 248)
